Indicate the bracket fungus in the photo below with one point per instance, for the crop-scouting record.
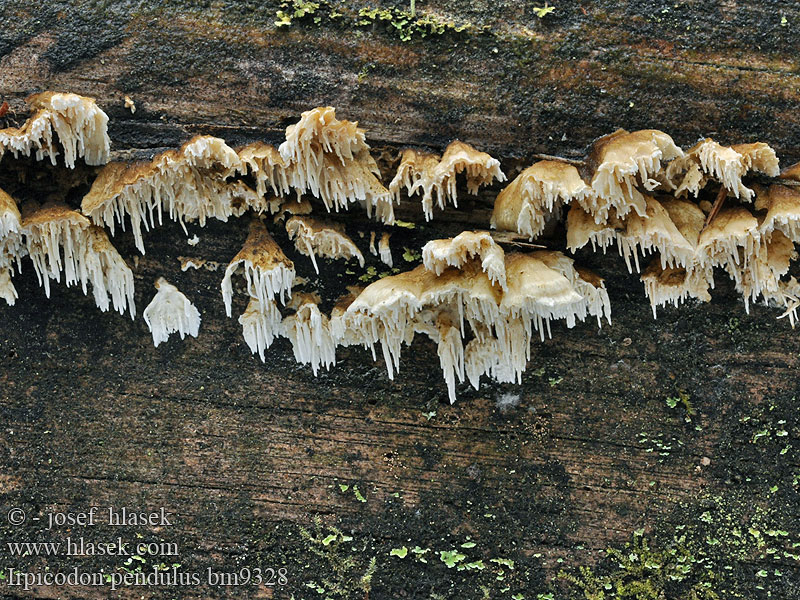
(535, 194)
(12, 248)
(619, 163)
(312, 237)
(439, 302)
(261, 324)
(170, 312)
(708, 160)
(428, 173)
(61, 239)
(266, 269)
(188, 183)
(266, 165)
(437, 255)
(331, 159)
(309, 332)
(81, 127)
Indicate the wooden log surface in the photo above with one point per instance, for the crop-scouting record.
(681, 431)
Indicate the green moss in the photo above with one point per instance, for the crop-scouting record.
(405, 24)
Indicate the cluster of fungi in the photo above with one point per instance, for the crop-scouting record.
(479, 304)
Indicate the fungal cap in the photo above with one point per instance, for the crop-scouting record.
(312, 237)
(437, 255)
(267, 270)
(538, 191)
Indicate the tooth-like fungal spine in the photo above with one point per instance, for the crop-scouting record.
(170, 312)
(385, 250)
(81, 127)
(427, 173)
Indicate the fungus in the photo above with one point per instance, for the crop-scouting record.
(427, 173)
(654, 232)
(268, 168)
(372, 249)
(481, 169)
(300, 206)
(266, 269)
(725, 164)
(385, 250)
(331, 159)
(309, 332)
(312, 237)
(261, 324)
(11, 245)
(539, 191)
(49, 231)
(582, 229)
(674, 285)
(782, 204)
(590, 286)
(7, 290)
(417, 172)
(54, 230)
(792, 172)
(437, 255)
(169, 312)
(720, 241)
(81, 126)
(619, 162)
(108, 273)
(189, 183)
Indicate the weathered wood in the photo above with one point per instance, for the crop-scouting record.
(518, 85)
(584, 452)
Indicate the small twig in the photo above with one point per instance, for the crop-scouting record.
(721, 195)
(571, 161)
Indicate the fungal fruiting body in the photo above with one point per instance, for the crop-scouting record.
(708, 160)
(309, 332)
(170, 312)
(81, 127)
(620, 162)
(265, 267)
(314, 238)
(385, 251)
(330, 158)
(266, 165)
(261, 324)
(441, 302)
(12, 248)
(61, 240)
(437, 255)
(428, 173)
(535, 194)
(189, 184)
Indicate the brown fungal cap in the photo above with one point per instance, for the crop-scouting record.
(331, 159)
(61, 239)
(437, 255)
(620, 162)
(536, 193)
(267, 270)
(189, 183)
(265, 163)
(312, 237)
(81, 127)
